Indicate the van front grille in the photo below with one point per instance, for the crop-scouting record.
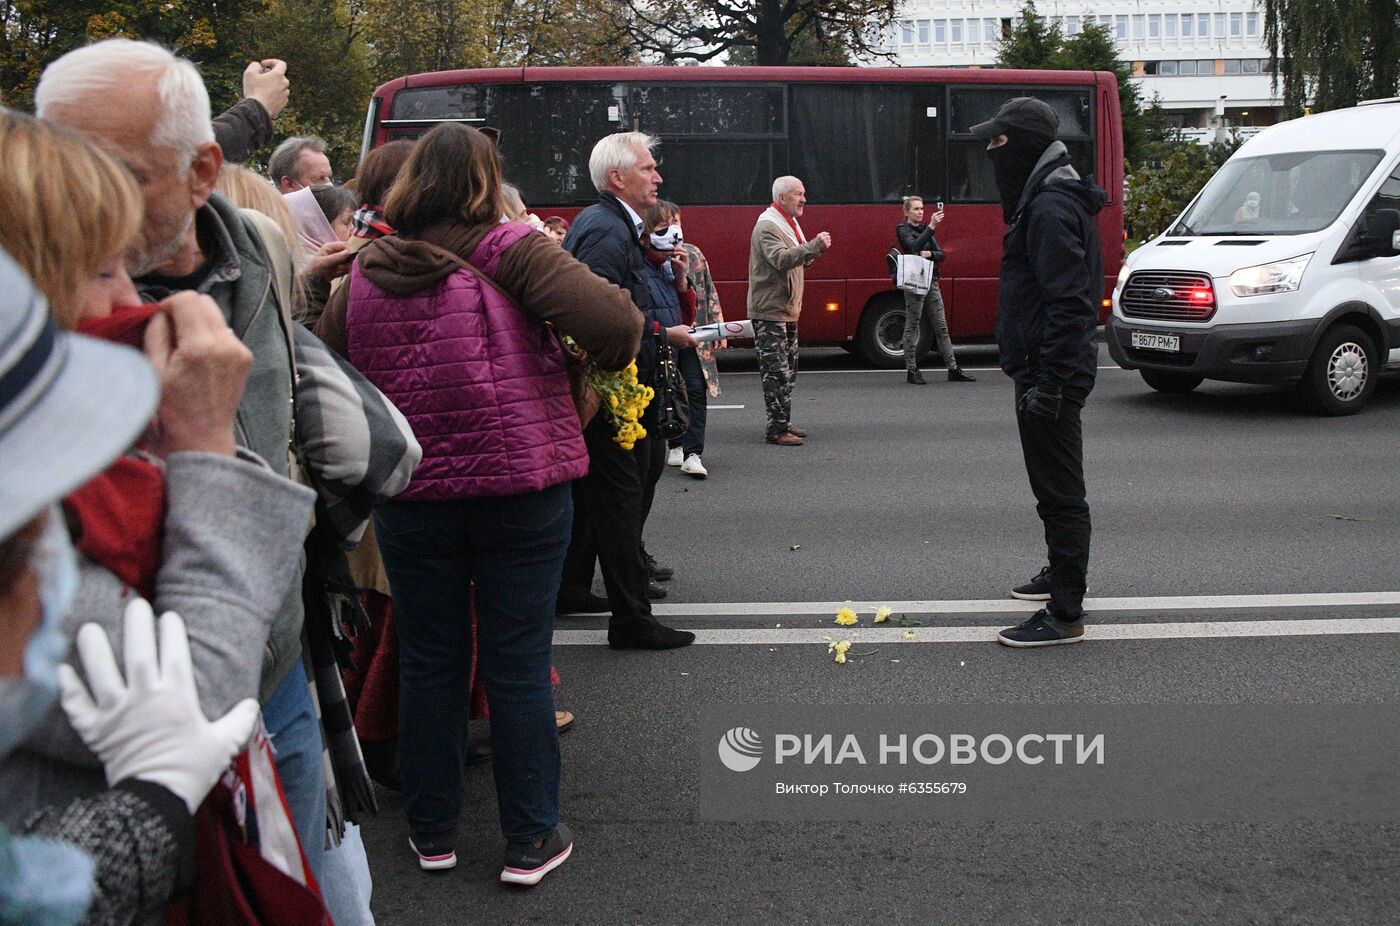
(1169, 295)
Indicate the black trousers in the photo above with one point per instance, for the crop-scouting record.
(1054, 455)
(609, 508)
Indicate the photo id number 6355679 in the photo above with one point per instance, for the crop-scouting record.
(933, 787)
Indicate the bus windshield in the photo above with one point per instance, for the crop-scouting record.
(1278, 194)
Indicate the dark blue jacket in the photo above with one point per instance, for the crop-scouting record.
(1052, 281)
(602, 237)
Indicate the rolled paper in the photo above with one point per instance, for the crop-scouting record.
(719, 331)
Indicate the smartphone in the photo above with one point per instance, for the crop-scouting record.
(938, 206)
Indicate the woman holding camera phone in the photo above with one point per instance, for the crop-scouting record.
(916, 237)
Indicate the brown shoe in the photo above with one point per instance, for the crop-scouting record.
(785, 439)
(563, 720)
(800, 432)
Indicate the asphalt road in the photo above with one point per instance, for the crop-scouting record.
(908, 494)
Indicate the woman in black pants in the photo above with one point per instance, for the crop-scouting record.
(916, 237)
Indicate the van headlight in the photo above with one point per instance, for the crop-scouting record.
(1123, 273)
(1279, 277)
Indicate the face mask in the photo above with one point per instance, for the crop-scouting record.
(24, 700)
(1012, 164)
(668, 240)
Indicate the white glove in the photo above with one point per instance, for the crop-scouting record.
(150, 726)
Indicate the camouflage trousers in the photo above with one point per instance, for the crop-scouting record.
(776, 346)
(930, 304)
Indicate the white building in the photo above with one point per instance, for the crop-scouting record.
(1206, 59)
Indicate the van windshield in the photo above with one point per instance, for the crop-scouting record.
(1278, 194)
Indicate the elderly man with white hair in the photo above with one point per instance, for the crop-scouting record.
(150, 110)
(778, 256)
(611, 503)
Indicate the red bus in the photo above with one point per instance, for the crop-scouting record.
(859, 138)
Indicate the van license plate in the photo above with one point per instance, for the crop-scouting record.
(1168, 342)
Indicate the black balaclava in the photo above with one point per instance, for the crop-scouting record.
(1012, 163)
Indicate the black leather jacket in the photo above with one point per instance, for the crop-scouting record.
(914, 239)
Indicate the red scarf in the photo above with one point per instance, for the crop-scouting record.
(122, 510)
(792, 223)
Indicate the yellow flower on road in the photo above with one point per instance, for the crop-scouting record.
(883, 614)
(839, 647)
(908, 634)
(845, 617)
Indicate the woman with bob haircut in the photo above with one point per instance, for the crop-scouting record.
(451, 318)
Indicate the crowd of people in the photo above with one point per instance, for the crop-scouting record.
(359, 446)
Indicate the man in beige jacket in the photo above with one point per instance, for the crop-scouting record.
(778, 256)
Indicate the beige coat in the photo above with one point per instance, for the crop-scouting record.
(776, 269)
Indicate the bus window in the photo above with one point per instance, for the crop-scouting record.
(970, 178)
(547, 135)
(742, 127)
(866, 143)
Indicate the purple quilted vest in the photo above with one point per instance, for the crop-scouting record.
(484, 388)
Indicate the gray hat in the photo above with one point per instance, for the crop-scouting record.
(1025, 114)
(69, 405)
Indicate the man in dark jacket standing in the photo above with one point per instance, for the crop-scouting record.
(1051, 283)
(612, 501)
(916, 237)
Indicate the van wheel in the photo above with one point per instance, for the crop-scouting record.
(1342, 373)
(880, 337)
(1171, 383)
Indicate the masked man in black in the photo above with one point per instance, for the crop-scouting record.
(1051, 283)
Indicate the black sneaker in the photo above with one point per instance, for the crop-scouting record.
(957, 375)
(649, 636)
(526, 863)
(436, 851)
(657, 571)
(1043, 629)
(654, 590)
(1037, 589)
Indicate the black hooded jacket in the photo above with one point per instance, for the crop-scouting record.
(1052, 280)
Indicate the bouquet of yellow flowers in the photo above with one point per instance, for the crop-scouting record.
(623, 398)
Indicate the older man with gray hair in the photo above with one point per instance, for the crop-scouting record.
(611, 502)
(299, 161)
(150, 110)
(779, 253)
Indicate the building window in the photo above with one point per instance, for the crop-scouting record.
(1236, 25)
(1149, 68)
(1250, 66)
(906, 33)
(972, 31)
(957, 31)
(1170, 26)
(1120, 27)
(1137, 26)
(1154, 26)
(1188, 21)
(989, 31)
(1186, 68)
(1251, 24)
(1232, 66)
(1106, 23)
(923, 32)
(1204, 68)
(940, 31)
(1071, 25)
(1166, 68)
(1220, 25)
(1203, 25)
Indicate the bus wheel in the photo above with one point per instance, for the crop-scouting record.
(1171, 383)
(1342, 373)
(880, 338)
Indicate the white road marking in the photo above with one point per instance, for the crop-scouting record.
(1011, 605)
(863, 636)
(713, 407)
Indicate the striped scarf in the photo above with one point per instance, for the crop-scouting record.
(369, 222)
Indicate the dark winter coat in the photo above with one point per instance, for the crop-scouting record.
(602, 237)
(1052, 280)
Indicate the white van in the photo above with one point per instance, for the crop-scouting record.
(1284, 269)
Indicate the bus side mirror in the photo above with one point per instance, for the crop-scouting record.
(1383, 232)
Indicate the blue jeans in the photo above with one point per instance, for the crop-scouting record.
(693, 440)
(512, 549)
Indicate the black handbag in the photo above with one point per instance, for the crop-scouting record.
(672, 402)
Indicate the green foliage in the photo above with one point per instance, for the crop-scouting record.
(1170, 176)
(1334, 52)
(1032, 43)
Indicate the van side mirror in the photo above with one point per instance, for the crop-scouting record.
(1383, 232)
